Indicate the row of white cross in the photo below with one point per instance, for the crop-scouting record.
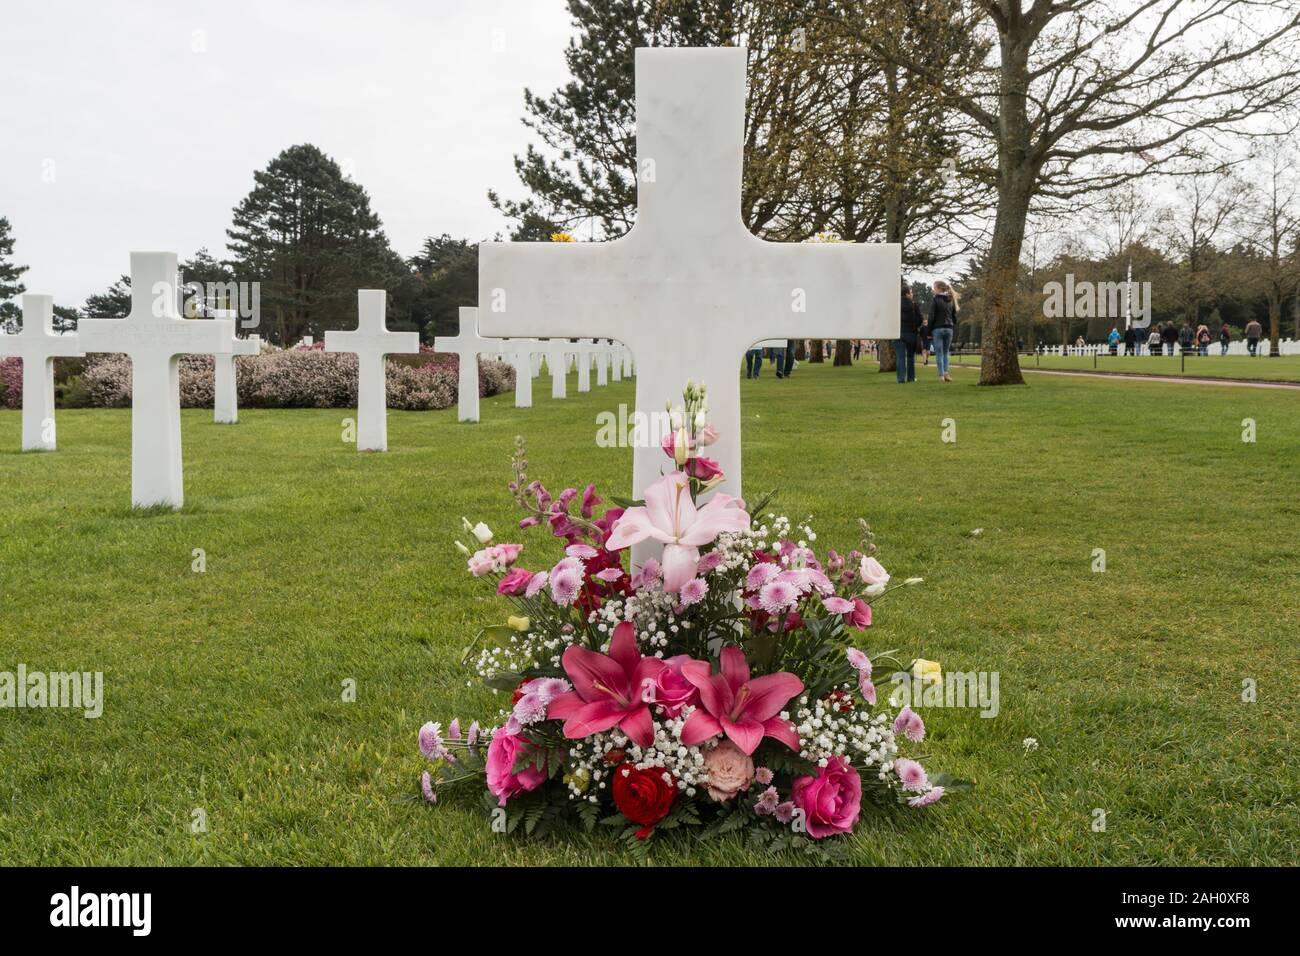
(154, 335)
(687, 290)
(525, 356)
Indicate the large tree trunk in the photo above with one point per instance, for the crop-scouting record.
(999, 363)
(818, 351)
(801, 350)
(887, 361)
(843, 352)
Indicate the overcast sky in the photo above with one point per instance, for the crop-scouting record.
(139, 125)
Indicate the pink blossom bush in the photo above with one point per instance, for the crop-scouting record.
(286, 378)
(11, 382)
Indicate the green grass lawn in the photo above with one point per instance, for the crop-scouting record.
(1284, 368)
(223, 689)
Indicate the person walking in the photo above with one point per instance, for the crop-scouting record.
(1254, 331)
(943, 319)
(1130, 340)
(753, 362)
(1203, 339)
(909, 327)
(1154, 341)
(1186, 337)
(1170, 335)
(1225, 338)
(1113, 339)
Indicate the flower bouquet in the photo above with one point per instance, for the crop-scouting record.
(720, 687)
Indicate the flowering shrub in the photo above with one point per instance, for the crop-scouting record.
(296, 378)
(721, 686)
(11, 382)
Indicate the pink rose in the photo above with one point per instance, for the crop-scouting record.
(703, 468)
(860, 616)
(515, 582)
(673, 691)
(831, 800)
(872, 573)
(480, 563)
(504, 783)
(730, 770)
(708, 435)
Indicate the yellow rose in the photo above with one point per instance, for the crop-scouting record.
(926, 671)
(518, 623)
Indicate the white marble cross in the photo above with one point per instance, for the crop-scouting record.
(153, 336)
(225, 378)
(689, 288)
(37, 346)
(602, 363)
(468, 346)
(616, 361)
(557, 363)
(371, 341)
(519, 353)
(587, 349)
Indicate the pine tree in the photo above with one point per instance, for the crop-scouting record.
(11, 285)
(308, 235)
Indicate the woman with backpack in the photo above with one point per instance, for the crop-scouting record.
(1203, 339)
(942, 322)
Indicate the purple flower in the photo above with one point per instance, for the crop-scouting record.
(777, 595)
(785, 812)
(924, 800)
(565, 585)
(426, 787)
(693, 591)
(581, 551)
(709, 562)
(767, 801)
(909, 723)
(760, 574)
(536, 584)
(763, 775)
(431, 744)
(839, 605)
(911, 774)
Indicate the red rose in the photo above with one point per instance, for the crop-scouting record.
(643, 796)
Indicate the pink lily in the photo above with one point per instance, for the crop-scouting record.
(609, 690)
(670, 517)
(743, 709)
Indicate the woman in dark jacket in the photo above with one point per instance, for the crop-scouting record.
(908, 331)
(943, 320)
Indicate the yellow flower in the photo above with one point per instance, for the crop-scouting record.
(518, 623)
(926, 671)
(561, 237)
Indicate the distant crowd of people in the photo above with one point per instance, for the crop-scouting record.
(1190, 339)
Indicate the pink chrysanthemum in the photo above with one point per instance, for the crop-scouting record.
(431, 744)
(798, 577)
(839, 605)
(777, 595)
(693, 591)
(565, 585)
(909, 723)
(760, 574)
(709, 562)
(763, 776)
(785, 812)
(866, 688)
(581, 551)
(858, 660)
(911, 774)
(426, 787)
(609, 574)
(924, 800)
(536, 584)
(767, 801)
